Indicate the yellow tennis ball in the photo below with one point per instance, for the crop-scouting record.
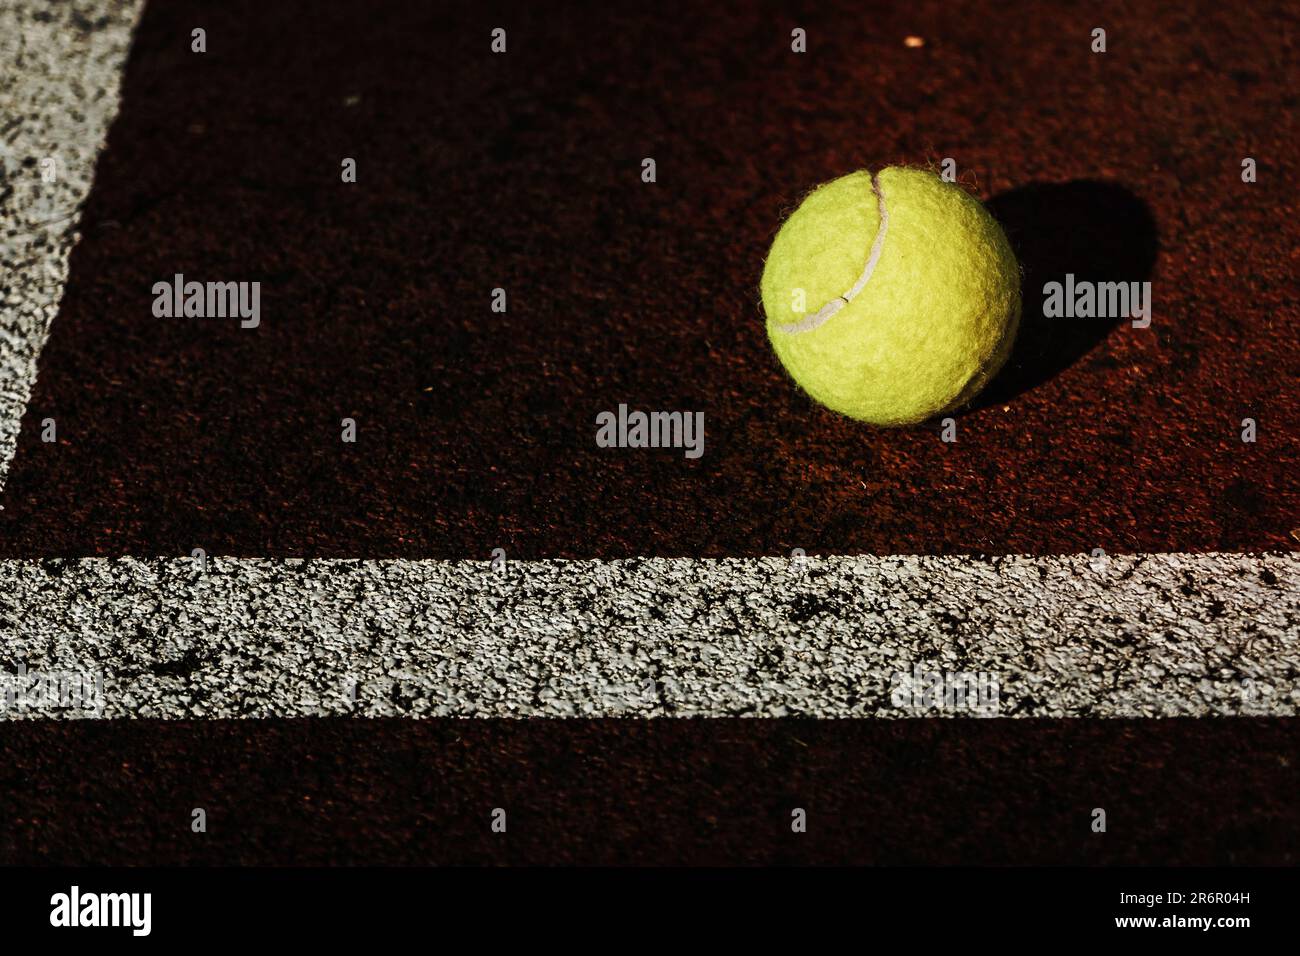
(891, 298)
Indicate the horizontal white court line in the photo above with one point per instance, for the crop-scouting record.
(1128, 636)
(60, 77)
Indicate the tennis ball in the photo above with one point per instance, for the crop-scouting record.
(891, 297)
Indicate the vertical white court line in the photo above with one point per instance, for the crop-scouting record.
(60, 80)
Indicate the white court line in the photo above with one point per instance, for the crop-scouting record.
(1129, 636)
(60, 75)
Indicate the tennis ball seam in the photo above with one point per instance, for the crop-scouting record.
(824, 314)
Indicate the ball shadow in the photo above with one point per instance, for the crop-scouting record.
(1098, 231)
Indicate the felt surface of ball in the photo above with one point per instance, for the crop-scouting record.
(891, 298)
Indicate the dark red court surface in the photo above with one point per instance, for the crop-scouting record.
(651, 792)
(477, 430)
(522, 171)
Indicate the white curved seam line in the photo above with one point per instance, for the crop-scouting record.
(834, 305)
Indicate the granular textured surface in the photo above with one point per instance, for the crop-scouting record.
(522, 171)
(696, 792)
(1208, 635)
